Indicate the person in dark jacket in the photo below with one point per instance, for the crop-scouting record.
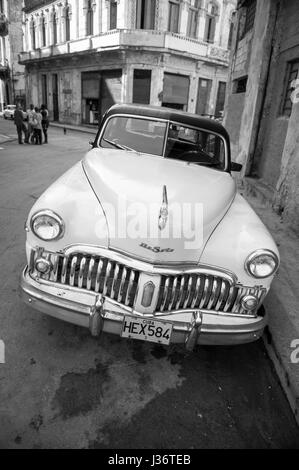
(45, 121)
(20, 125)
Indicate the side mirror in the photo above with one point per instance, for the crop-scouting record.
(91, 143)
(236, 166)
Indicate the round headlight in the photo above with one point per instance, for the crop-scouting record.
(47, 225)
(262, 264)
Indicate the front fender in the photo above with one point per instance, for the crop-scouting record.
(72, 198)
(239, 233)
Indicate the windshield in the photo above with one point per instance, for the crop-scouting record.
(148, 136)
(141, 135)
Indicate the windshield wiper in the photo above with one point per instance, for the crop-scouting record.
(119, 146)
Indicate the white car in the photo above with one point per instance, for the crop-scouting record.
(148, 238)
(9, 112)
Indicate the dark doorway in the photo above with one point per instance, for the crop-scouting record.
(142, 86)
(175, 91)
(220, 99)
(44, 90)
(55, 97)
(203, 96)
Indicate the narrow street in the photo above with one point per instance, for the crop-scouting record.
(62, 388)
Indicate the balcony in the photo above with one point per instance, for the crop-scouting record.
(3, 25)
(130, 38)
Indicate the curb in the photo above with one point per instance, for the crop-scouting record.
(282, 302)
(282, 373)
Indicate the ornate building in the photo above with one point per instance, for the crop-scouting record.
(12, 83)
(81, 56)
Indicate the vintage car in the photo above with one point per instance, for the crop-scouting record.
(9, 112)
(148, 238)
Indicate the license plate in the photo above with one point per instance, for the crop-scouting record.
(146, 330)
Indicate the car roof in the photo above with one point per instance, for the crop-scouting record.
(168, 114)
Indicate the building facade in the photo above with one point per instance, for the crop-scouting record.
(261, 111)
(12, 77)
(81, 56)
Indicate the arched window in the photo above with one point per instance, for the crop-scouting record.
(67, 22)
(89, 18)
(55, 28)
(231, 33)
(211, 18)
(193, 16)
(145, 14)
(33, 33)
(43, 30)
(113, 14)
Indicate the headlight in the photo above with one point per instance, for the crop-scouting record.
(261, 264)
(47, 225)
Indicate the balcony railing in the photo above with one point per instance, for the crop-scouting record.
(147, 39)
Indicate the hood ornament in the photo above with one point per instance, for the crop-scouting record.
(163, 216)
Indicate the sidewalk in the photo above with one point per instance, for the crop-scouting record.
(282, 302)
(87, 129)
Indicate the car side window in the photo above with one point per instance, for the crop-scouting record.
(195, 146)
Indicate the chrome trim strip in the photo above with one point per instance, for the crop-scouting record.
(130, 284)
(122, 283)
(114, 280)
(107, 274)
(81, 271)
(63, 272)
(89, 274)
(73, 270)
(146, 266)
(98, 275)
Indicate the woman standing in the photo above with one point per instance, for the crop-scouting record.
(45, 121)
(37, 120)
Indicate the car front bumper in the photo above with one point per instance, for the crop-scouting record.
(100, 314)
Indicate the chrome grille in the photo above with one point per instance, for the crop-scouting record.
(201, 291)
(118, 281)
(96, 274)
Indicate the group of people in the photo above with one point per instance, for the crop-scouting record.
(38, 123)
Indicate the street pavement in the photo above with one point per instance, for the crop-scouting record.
(62, 388)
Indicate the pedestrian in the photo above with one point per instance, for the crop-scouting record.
(20, 125)
(30, 113)
(45, 121)
(37, 125)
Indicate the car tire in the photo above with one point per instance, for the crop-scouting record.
(5, 117)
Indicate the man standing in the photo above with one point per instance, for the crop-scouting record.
(20, 125)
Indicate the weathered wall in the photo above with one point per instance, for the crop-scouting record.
(251, 58)
(274, 126)
(286, 200)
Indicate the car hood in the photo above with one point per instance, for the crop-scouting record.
(130, 188)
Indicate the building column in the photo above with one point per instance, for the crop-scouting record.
(157, 85)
